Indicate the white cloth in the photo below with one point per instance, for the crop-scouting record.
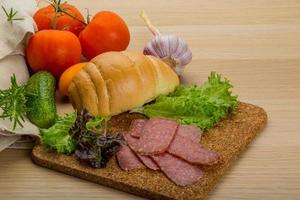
(13, 35)
(13, 40)
(13, 64)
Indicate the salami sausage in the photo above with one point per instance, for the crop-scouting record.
(191, 151)
(131, 141)
(136, 127)
(156, 137)
(179, 171)
(192, 132)
(127, 159)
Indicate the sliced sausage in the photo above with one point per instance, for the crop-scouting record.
(156, 137)
(191, 151)
(127, 159)
(179, 171)
(131, 141)
(136, 127)
(189, 131)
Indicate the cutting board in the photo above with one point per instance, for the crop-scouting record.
(229, 138)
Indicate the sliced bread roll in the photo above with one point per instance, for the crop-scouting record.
(115, 82)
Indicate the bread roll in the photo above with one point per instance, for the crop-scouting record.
(115, 82)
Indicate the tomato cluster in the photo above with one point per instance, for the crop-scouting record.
(64, 36)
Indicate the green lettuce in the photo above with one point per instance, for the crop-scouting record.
(202, 106)
(61, 137)
(97, 124)
(57, 137)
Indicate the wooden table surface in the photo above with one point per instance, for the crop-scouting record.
(255, 44)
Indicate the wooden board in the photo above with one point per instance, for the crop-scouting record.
(230, 137)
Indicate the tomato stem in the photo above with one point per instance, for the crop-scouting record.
(88, 15)
(55, 17)
(83, 22)
(57, 7)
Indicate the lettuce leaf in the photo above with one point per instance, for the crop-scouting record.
(97, 124)
(57, 137)
(202, 106)
(71, 130)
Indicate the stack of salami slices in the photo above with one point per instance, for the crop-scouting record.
(161, 144)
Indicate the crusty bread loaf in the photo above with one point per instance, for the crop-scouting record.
(115, 82)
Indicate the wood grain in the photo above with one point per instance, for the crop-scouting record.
(255, 44)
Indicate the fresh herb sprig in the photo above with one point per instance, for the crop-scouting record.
(13, 103)
(11, 15)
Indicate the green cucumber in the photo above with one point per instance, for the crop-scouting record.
(40, 99)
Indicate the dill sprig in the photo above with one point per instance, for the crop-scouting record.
(11, 15)
(12, 103)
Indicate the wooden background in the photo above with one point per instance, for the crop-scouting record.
(255, 44)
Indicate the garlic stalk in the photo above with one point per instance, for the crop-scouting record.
(172, 49)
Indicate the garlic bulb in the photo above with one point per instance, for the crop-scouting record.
(170, 48)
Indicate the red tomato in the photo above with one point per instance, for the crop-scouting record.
(53, 51)
(106, 32)
(44, 18)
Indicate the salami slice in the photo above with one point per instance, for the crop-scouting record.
(191, 151)
(179, 171)
(156, 136)
(131, 141)
(127, 159)
(147, 160)
(189, 131)
(136, 127)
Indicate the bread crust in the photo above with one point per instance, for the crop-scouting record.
(115, 82)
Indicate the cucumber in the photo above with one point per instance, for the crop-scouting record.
(40, 99)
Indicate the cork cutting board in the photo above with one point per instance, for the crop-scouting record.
(229, 138)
